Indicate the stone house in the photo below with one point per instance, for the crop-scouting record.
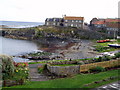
(113, 27)
(54, 22)
(66, 21)
(73, 21)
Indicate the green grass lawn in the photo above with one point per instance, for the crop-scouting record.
(77, 81)
(103, 47)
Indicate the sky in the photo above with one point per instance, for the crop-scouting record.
(39, 10)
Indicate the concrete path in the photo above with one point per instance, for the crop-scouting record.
(111, 86)
(34, 75)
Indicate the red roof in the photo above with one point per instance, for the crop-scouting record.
(104, 21)
(73, 18)
(112, 20)
(99, 22)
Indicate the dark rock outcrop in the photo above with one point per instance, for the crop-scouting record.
(45, 33)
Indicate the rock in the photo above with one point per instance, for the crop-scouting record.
(80, 62)
(97, 82)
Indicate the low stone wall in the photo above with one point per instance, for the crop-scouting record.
(104, 64)
(8, 83)
(64, 70)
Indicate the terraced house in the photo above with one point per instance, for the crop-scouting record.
(54, 22)
(111, 25)
(66, 21)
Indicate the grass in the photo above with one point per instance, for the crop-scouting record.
(77, 81)
(47, 61)
(103, 47)
(118, 41)
(58, 61)
(65, 65)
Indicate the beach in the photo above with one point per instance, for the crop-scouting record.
(72, 50)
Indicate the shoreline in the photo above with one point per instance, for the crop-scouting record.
(70, 51)
(66, 49)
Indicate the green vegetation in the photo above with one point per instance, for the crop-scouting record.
(104, 58)
(42, 68)
(21, 72)
(100, 48)
(118, 40)
(117, 55)
(49, 61)
(103, 47)
(88, 60)
(77, 81)
(64, 65)
(39, 54)
(97, 69)
(7, 66)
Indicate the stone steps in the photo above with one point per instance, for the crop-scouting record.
(35, 76)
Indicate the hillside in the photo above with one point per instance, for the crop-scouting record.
(48, 32)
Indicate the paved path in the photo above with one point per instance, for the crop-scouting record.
(34, 75)
(111, 86)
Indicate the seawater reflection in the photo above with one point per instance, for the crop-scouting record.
(16, 47)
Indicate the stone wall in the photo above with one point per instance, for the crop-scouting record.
(64, 70)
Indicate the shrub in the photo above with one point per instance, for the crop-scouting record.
(97, 69)
(117, 55)
(99, 59)
(41, 68)
(7, 66)
(21, 73)
(106, 58)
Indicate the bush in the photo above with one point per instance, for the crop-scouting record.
(106, 58)
(99, 59)
(21, 73)
(97, 69)
(117, 55)
(41, 68)
(7, 66)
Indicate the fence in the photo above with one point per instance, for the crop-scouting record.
(105, 64)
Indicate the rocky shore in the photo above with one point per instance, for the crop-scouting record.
(64, 51)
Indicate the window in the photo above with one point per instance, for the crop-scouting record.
(107, 28)
(53, 23)
(80, 21)
(47, 23)
(65, 24)
(66, 20)
(71, 25)
(116, 29)
(54, 19)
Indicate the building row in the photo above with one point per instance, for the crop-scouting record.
(66, 21)
(108, 24)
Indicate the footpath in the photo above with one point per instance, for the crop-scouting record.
(34, 75)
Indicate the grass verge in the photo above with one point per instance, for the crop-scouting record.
(77, 81)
